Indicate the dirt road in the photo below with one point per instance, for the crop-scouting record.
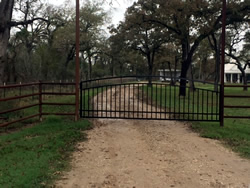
(152, 154)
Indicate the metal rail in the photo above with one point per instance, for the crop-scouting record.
(42, 89)
(236, 106)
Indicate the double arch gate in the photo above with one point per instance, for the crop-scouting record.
(131, 97)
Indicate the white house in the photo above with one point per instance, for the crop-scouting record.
(233, 74)
(168, 74)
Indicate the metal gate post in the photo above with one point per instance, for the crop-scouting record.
(77, 74)
(40, 101)
(223, 36)
(80, 100)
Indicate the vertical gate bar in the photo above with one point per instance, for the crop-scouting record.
(160, 99)
(97, 101)
(129, 101)
(93, 102)
(88, 101)
(207, 104)
(184, 105)
(217, 104)
(120, 103)
(193, 105)
(124, 101)
(179, 106)
(106, 101)
(188, 103)
(133, 100)
(111, 113)
(198, 108)
(81, 100)
(170, 101)
(142, 100)
(156, 100)
(202, 103)
(165, 101)
(102, 110)
(147, 102)
(174, 101)
(138, 107)
(115, 99)
(212, 108)
(152, 93)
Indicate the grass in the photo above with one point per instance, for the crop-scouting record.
(235, 133)
(34, 157)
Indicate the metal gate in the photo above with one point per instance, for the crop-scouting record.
(131, 97)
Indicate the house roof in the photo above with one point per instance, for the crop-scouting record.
(232, 68)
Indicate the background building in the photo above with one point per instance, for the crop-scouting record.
(233, 74)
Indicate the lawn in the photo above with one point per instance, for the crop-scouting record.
(33, 154)
(235, 133)
(34, 157)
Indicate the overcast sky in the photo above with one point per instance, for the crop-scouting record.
(118, 7)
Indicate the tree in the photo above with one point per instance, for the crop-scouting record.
(241, 58)
(92, 18)
(146, 38)
(6, 23)
(191, 22)
(215, 43)
(30, 53)
(6, 8)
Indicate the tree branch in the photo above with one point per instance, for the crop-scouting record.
(13, 24)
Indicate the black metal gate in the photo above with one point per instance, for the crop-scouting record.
(133, 98)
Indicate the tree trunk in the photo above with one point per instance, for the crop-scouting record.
(183, 83)
(186, 61)
(244, 78)
(6, 7)
(217, 71)
(150, 74)
(191, 79)
(150, 67)
(90, 67)
(216, 48)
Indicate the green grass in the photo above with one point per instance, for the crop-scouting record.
(33, 154)
(33, 157)
(235, 133)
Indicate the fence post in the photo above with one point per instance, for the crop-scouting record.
(221, 105)
(223, 39)
(40, 101)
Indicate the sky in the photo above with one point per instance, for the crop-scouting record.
(117, 8)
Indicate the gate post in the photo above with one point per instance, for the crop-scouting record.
(77, 68)
(40, 101)
(223, 36)
(80, 112)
